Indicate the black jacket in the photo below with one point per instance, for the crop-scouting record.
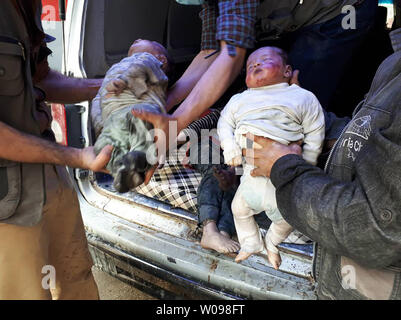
(276, 17)
(353, 209)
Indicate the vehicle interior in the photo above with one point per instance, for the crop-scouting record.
(114, 25)
(178, 28)
(175, 26)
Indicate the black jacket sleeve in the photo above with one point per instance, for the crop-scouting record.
(339, 216)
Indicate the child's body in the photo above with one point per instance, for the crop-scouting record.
(137, 81)
(213, 201)
(274, 109)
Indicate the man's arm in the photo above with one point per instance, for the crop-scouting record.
(31, 149)
(181, 89)
(223, 22)
(63, 89)
(344, 217)
(341, 216)
(211, 86)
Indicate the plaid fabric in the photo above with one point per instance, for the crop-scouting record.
(232, 21)
(177, 183)
(209, 121)
(174, 184)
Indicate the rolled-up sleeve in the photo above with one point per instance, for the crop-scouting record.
(232, 21)
(236, 22)
(208, 16)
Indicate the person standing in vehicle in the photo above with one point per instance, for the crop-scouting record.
(322, 41)
(352, 208)
(320, 49)
(42, 233)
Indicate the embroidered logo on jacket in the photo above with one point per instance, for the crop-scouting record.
(361, 127)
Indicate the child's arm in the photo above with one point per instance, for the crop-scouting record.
(137, 77)
(314, 131)
(143, 73)
(116, 86)
(225, 130)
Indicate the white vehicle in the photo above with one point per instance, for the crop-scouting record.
(139, 237)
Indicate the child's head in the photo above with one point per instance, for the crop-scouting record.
(267, 66)
(154, 48)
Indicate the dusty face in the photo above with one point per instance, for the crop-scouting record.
(151, 47)
(265, 67)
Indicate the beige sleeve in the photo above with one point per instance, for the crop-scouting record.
(226, 128)
(314, 131)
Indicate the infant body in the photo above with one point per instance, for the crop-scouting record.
(271, 108)
(136, 82)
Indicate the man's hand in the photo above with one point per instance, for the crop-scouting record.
(89, 160)
(162, 123)
(266, 156)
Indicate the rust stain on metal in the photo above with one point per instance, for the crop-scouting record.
(213, 267)
(230, 254)
(310, 278)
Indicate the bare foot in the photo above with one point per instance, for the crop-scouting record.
(225, 234)
(274, 259)
(242, 256)
(226, 177)
(221, 242)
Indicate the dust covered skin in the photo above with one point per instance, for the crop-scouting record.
(134, 150)
(265, 67)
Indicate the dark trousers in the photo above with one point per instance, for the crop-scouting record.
(213, 203)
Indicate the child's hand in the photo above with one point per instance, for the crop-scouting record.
(235, 162)
(232, 153)
(115, 87)
(87, 159)
(267, 153)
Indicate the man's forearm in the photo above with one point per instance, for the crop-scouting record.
(181, 89)
(332, 212)
(212, 85)
(31, 149)
(63, 89)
